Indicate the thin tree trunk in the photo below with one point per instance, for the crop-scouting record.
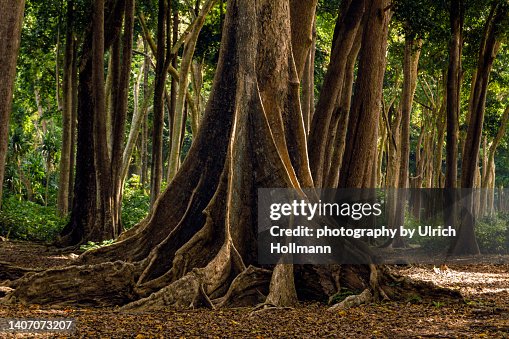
(185, 68)
(453, 91)
(347, 25)
(356, 170)
(487, 54)
(162, 62)
(10, 32)
(120, 116)
(67, 115)
(74, 125)
(340, 116)
(411, 62)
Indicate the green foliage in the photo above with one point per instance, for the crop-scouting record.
(342, 295)
(438, 304)
(414, 299)
(136, 202)
(94, 245)
(491, 234)
(25, 220)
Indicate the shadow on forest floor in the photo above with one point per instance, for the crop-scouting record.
(483, 313)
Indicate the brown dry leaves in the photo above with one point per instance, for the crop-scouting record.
(485, 314)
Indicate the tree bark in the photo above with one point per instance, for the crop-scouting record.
(488, 50)
(185, 68)
(198, 245)
(411, 62)
(453, 91)
(347, 25)
(356, 169)
(67, 115)
(10, 35)
(162, 63)
(89, 202)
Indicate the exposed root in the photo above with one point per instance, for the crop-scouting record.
(264, 307)
(374, 282)
(97, 285)
(11, 272)
(353, 301)
(182, 294)
(282, 287)
(246, 289)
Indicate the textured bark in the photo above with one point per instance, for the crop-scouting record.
(185, 69)
(453, 91)
(488, 50)
(162, 62)
(302, 19)
(198, 245)
(356, 169)
(339, 121)
(10, 32)
(84, 224)
(347, 25)
(67, 115)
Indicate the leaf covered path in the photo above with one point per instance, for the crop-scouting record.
(483, 313)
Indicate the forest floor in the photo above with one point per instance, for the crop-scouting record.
(484, 312)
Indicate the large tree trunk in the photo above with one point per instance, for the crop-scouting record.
(10, 32)
(198, 245)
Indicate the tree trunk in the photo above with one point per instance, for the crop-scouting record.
(90, 216)
(119, 119)
(411, 62)
(410, 66)
(453, 91)
(347, 25)
(185, 68)
(198, 245)
(339, 122)
(162, 63)
(488, 50)
(490, 44)
(10, 34)
(67, 115)
(356, 169)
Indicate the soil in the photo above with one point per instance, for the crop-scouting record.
(483, 312)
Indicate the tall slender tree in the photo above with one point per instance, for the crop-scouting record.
(10, 33)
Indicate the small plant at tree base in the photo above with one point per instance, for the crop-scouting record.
(437, 304)
(94, 245)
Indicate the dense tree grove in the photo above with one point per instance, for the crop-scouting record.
(183, 109)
